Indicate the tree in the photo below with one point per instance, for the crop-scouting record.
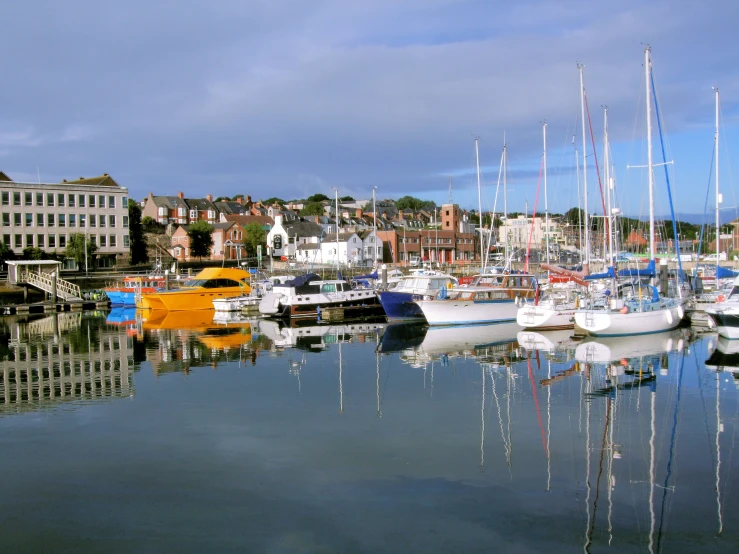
(146, 220)
(201, 239)
(76, 249)
(346, 199)
(273, 200)
(254, 236)
(33, 253)
(317, 198)
(415, 204)
(137, 242)
(6, 253)
(312, 208)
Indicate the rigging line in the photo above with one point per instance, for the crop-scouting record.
(538, 411)
(708, 191)
(673, 440)
(669, 188)
(600, 469)
(727, 159)
(533, 217)
(595, 156)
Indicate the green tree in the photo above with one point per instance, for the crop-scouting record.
(137, 248)
(76, 249)
(415, 204)
(254, 236)
(317, 198)
(312, 208)
(273, 200)
(201, 239)
(346, 199)
(33, 253)
(146, 220)
(6, 253)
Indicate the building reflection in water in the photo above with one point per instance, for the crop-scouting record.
(63, 357)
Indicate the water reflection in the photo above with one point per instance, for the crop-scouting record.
(480, 437)
(60, 358)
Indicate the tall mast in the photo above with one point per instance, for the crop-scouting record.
(483, 257)
(546, 199)
(584, 167)
(607, 165)
(718, 195)
(338, 261)
(648, 74)
(505, 195)
(374, 211)
(579, 202)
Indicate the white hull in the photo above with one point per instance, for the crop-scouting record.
(289, 337)
(466, 338)
(466, 312)
(544, 317)
(235, 304)
(612, 349)
(615, 323)
(545, 341)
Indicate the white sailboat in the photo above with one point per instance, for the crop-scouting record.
(646, 311)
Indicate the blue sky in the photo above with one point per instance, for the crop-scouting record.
(290, 98)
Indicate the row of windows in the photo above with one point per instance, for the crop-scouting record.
(182, 212)
(61, 220)
(60, 241)
(61, 199)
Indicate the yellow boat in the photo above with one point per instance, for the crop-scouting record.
(199, 292)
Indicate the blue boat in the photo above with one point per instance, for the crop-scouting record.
(399, 302)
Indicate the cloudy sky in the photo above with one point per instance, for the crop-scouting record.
(289, 98)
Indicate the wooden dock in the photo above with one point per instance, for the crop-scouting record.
(51, 307)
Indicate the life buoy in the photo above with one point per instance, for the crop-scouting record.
(720, 298)
(624, 310)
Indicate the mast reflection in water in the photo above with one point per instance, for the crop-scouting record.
(256, 436)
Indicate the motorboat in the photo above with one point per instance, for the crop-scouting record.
(307, 296)
(313, 337)
(199, 292)
(398, 302)
(124, 293)
(554, 310)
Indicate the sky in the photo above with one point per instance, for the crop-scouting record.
(291, 98)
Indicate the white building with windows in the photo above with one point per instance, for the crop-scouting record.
(44, 215)
(349, 249)
(518, 231)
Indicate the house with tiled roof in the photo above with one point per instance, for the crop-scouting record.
(231, 207)
(347, 249)
(285, 236)
(180, 210)
(228, 242)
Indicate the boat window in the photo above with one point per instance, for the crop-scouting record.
(328, 287)
(193, 283)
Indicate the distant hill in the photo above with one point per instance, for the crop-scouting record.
(727, 216)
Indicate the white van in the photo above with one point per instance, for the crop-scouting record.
(712, 257)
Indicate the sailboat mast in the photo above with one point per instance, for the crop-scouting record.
(718, 196)
(584, 167)
(648, 74)
(338, 260)
(579, 203)
(607, 165)
(483, 258)
(546, 198)
(505, 195)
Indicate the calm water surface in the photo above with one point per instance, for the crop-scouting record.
(182, 434)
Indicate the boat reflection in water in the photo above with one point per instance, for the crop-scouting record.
(316, 337)
(609, 349)
(63, 357)
(725, 357)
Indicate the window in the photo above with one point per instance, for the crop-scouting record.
(28, 199)
(62, 220)
(6, 219)
(103, 241)
(101, 201)
(60, 199)
(17, 241)
(81, 200)
(111, 221)
(127, 243)
(93, 239)
(6, 198)
(70, 200)
(52, 241)
(40, 241)
(193, 214)
(102, 221)
(125, 221)
(50, 220)
(181, 211)
(124, 202)
(16, 199)
(211, 214)
(17, 219)
(93, 220)
(91, 200)
(6, 240)
(29, 240)
(49, 198)
(72, 220)
(39, 198)
(177, 250)
(111, 202)
(112, 241)
(83, 220)
(39, 220)
(62, 241)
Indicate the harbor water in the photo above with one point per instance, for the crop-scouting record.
(178, 433)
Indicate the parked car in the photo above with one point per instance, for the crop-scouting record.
(713, 258)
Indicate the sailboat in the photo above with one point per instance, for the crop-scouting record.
(643, 310)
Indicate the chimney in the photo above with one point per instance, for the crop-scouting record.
(240, 200)
(278, 220)
(248, 199)
(181, 195)
(209, 197)
(359, 213)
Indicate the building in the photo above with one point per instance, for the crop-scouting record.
(520, 233)
(180, 210)
(284, 237)
(228, 243)
(44, 215)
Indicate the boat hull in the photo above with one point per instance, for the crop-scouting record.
(467, 312)
(608, 323)
(400, 305)
(545, 318)
(727, 324)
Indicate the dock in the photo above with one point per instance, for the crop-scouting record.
(52, 307)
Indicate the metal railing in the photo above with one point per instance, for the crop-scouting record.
(64, 289)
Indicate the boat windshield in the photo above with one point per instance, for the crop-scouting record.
(210, 283)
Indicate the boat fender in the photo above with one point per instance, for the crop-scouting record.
(668, 317)
(680, 312)
(577, 302)
(720, 298)
(624, 310)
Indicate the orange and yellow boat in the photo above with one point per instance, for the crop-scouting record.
(199, 292)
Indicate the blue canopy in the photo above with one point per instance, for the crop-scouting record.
(610, 274)
(648, 271)
(301, 280)
(725, 273)
(372, 275)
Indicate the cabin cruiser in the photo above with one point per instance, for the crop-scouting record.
(489, 298)
(199, 292)
(124, 294)
(724, 315)
(398, 302)
(308, 295)
(555, 310)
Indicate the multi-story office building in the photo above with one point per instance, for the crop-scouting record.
(44, 215)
